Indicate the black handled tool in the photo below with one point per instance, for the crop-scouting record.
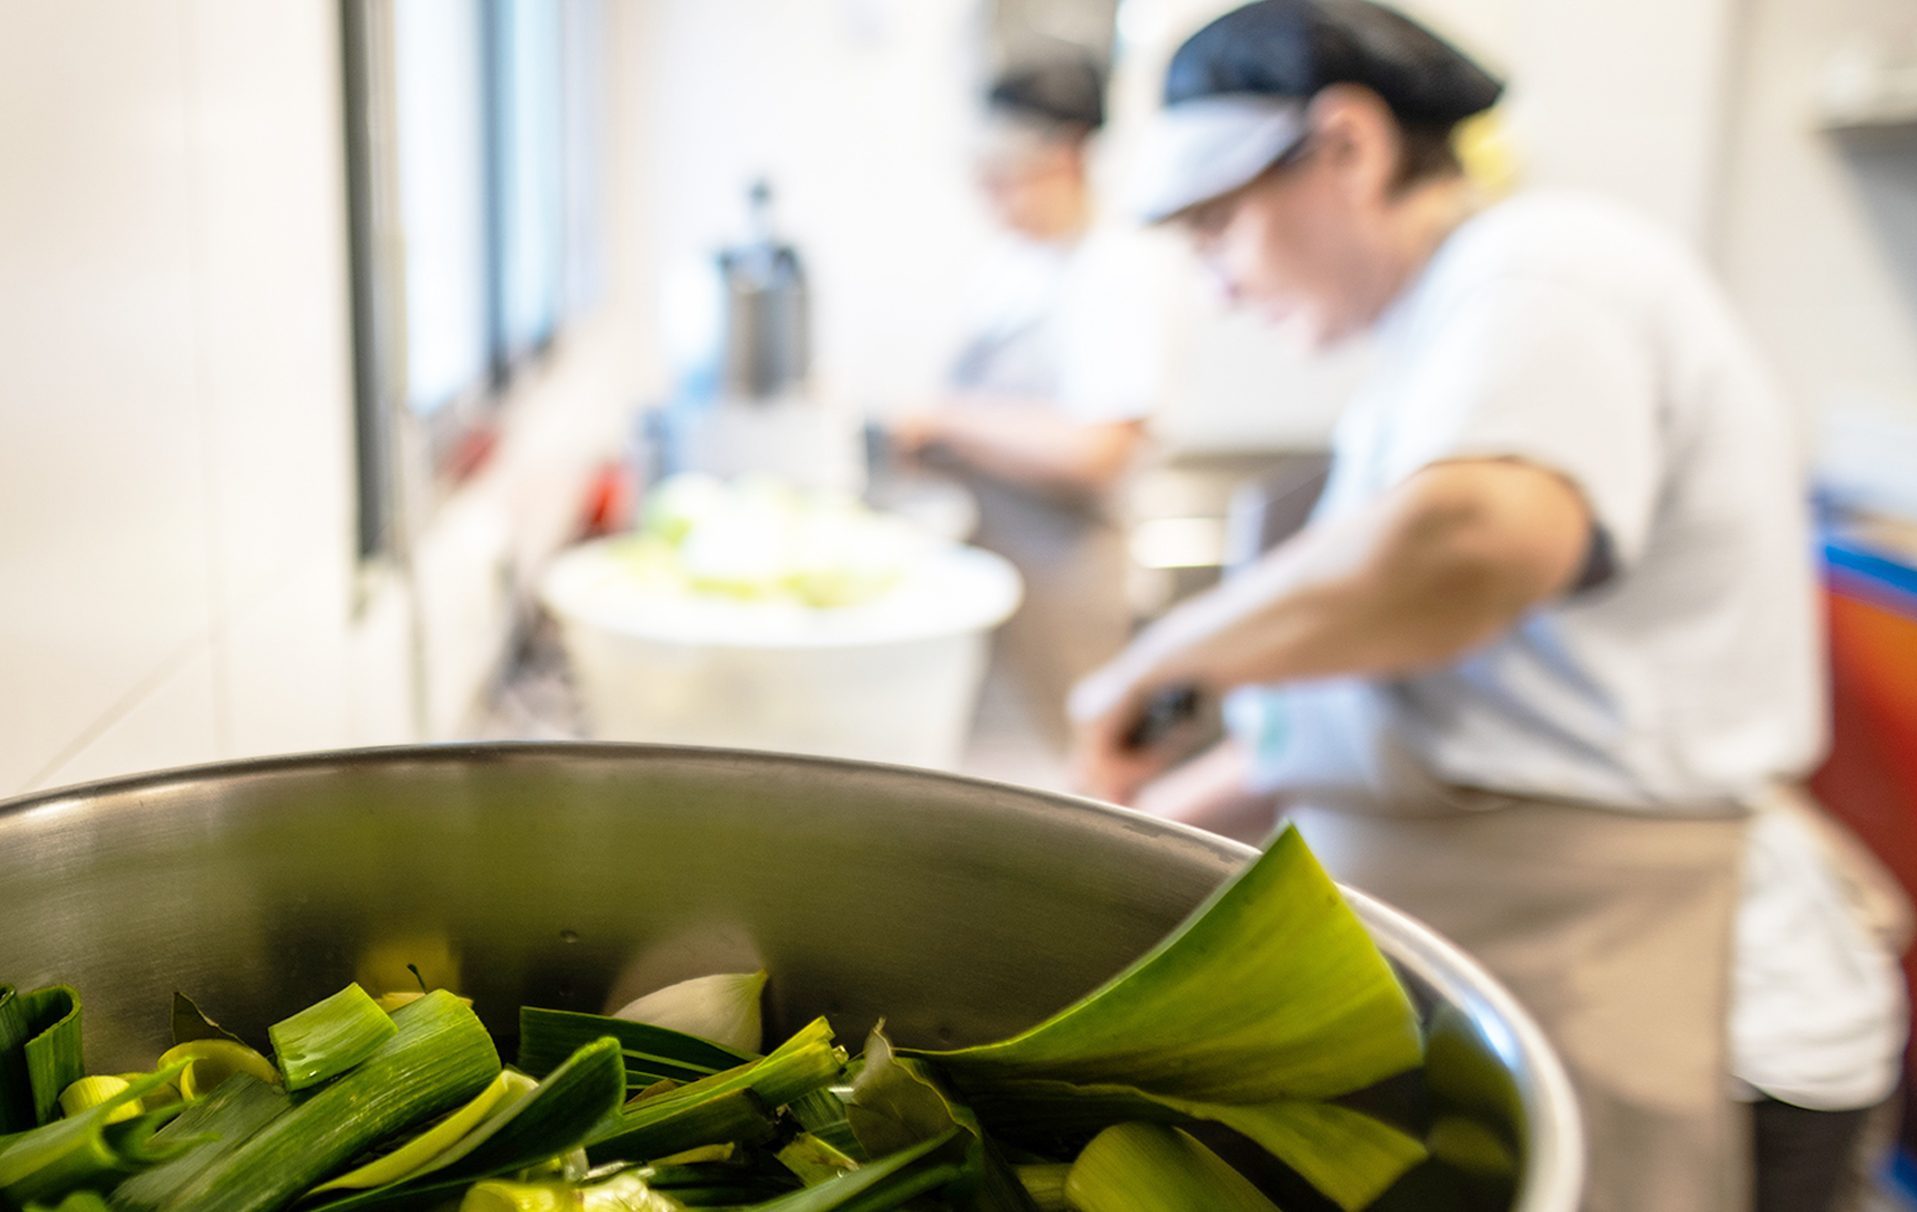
(1167, 710)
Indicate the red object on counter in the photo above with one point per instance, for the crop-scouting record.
(612, 499)
(1870, 780)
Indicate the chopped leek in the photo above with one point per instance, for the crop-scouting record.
(890, 1182)
(822, 1113)
(439, 1057)
(430, 1144)
(39, 1054)
(207, 1130)
(1044, 1183)
(50, 1161)
(79, 1201)
(1152, 1168)
(1268, 1003)
(329, 1037)
(620, 1193)
(724, 1009)
(90, 1092)
(814, 1161)
(1472, 1148)
(531, 1126)
(897, 1103)
(660, 1125)
(211, 1061)
(1271, 991)
(676, 1119)
(1258, 1018)
(652, 1054)
(16, 1085)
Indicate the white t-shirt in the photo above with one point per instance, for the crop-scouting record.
(1084, 325)
(1568, 334)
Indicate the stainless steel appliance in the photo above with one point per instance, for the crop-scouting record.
(766, 324)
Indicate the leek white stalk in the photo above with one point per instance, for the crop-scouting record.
(724, 1009)
(90, 1092)
(621, 1193)
(212, 1061)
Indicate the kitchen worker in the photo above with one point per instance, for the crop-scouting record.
(1551, 633)
(1048, 395)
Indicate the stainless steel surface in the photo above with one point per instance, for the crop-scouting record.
(574, 875)
(766, 332)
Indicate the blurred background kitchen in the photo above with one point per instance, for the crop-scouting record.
(326, 327)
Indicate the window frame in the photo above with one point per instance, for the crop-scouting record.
(411, 460)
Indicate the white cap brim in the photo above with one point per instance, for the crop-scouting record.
(1207, 147)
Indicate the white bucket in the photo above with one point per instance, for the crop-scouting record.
(894, 680)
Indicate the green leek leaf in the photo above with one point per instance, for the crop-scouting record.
(729, 1178)
(1472, 1147)
(52, 1048)
(822, 1113)
(552, 1118)
(205, 1131)
(897, 1103)
(211, 1061)
(661, 1126)
(439, 1057)
(678, 1119)
(329, 1037)
(1153, 1168)
(620, 1193)
(887, 1183)
(424, 1148)
(79, 1201)
(1267, 1003)
(1045, 1183)
(90, 1092)
(652, 1054)
(47, 1163)
(814, 1161)
(1348, 1155)
(1272, 990)
(137, 1141)
(16, 1086)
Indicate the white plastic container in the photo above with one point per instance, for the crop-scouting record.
(893, 680)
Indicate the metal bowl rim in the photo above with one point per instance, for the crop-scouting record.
(1554, 1170)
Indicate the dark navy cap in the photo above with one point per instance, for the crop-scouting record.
(1237, 91)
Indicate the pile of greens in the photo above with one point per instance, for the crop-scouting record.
(760, 541)
(1244, 1033)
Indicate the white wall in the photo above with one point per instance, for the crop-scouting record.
(860, 112)
(1819, 235)
(157, 549)
(1627, 98)
(176, 469)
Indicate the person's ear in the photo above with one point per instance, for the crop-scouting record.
(1358, 138)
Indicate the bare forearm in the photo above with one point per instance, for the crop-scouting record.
(1454, 557)
(1408, 586)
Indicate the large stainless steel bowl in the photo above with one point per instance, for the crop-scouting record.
(570, 875)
